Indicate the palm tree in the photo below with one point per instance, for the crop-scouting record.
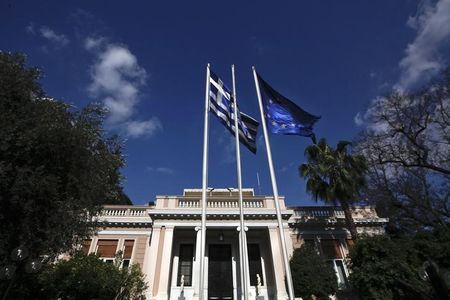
(334, 176)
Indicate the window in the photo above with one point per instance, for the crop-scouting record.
(331, 250)
(125, 263)
(341, 273)
(106, 249)
(254, 264)
(127, 252)
(85, 245)
(185, 264)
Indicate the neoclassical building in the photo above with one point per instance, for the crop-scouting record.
(164, 239)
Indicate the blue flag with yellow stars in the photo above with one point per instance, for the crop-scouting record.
(284, 116)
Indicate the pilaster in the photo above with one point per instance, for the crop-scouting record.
(278, 265)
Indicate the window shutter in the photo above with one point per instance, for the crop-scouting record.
(107, 248)
(331, 249)
(128, 251)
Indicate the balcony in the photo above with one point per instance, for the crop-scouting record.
(126, 215)
(335, 215)
(224, 203)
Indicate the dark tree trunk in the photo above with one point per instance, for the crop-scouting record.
(349, 220)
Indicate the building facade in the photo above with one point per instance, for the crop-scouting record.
(164, 239)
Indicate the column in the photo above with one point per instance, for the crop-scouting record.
(289, 245)
(163, 265)
(278, 267)
(150, 261)
(196, 267)
(146, 266)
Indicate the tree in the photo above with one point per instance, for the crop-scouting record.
(334, 175)
(311, 274)
(391, 268)
(407, 146)
(57, 168)
(88, 277)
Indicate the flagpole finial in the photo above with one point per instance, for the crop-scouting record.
(208, 65)
(253, 68)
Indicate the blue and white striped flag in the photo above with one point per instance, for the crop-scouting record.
(220, 102)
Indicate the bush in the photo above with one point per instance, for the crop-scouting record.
(311, 274)
(88, 277)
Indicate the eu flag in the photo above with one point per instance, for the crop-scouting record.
(284, 116)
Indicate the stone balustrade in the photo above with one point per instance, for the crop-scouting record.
(116, 211)
(318, 212)
(330, 212)
(229, 203)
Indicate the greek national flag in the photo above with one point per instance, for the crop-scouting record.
(220, 102)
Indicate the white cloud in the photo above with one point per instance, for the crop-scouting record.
(142, 128)
(422, 59)
(358, 119)
(162, 170)
(94, 43)
(58, 39)
(117, 78)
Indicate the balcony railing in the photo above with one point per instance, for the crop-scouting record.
(189, 203)
(318, 212)
(124, 212)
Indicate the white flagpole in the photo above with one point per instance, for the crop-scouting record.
(275, 193)
(242, 234)
(204, 186)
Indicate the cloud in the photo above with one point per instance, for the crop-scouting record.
(142, 128)
(422, 59)
(117, 78)
(358, 119)
(94, 43)
(58, 39)
(161, 170)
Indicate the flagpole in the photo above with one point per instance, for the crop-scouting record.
(275, 193)
(204, 186)
(242, 234)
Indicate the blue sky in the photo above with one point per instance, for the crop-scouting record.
(146, 61)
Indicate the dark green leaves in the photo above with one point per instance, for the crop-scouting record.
(57, 167)
(311, 274)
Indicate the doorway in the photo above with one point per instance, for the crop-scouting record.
(220, 273)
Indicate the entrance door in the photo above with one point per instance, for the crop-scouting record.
(220, 274)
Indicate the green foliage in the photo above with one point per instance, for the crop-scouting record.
(88, 277)
(56, 167)
(385, 268)
(334, 175)
(311, 274)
